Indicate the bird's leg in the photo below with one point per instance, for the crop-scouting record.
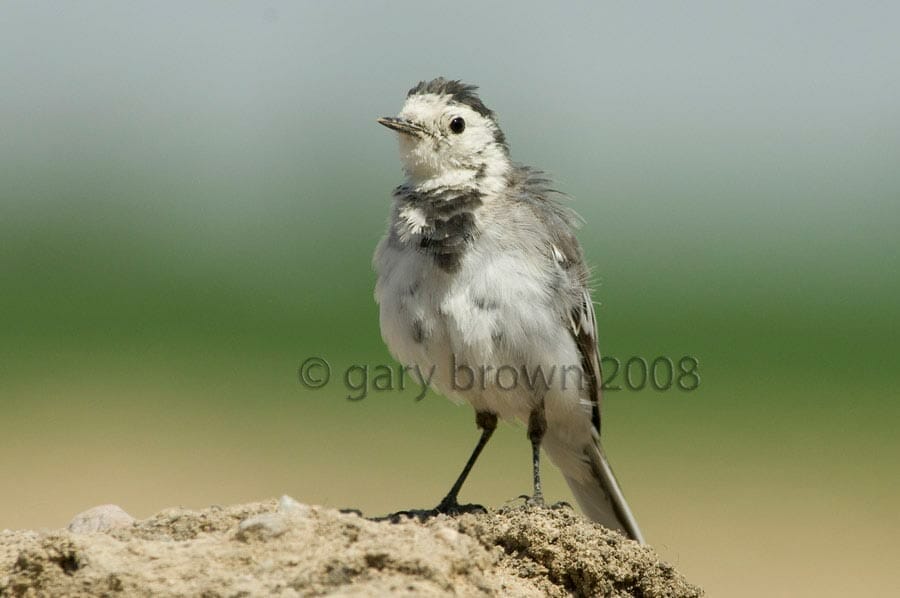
(537, 425)
(487, 421)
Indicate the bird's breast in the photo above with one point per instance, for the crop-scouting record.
(475, 327)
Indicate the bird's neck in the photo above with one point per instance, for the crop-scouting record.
(488, 175)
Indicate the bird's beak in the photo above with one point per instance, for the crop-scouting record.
(401, 125)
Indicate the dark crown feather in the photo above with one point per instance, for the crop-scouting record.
(461, 93)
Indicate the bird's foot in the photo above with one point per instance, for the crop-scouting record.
(538, 502)
(449, 506)
(535, 500)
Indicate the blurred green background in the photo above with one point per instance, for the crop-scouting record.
(191, 196)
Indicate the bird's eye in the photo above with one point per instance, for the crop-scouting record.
(458, 125)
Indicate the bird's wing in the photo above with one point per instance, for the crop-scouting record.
(583, 328)
(581, 323)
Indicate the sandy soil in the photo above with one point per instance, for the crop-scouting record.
(285, 548)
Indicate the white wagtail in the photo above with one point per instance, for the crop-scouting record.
(482, 282)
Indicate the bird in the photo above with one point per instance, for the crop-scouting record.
(482, 283)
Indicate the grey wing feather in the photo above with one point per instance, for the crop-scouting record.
(584, 330)
(603, 499)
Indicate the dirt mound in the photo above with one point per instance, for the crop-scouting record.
(286, 548)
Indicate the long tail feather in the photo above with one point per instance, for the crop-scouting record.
(601, 498)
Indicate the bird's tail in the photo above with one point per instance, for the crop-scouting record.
(598, 493)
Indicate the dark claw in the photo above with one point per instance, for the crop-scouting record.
(535, 501)
(451, 507)
(447, 507)
(532, 501)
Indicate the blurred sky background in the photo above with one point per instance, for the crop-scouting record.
(190, 196)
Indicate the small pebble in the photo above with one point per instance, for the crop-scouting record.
(286, 504)
(100, 519)
(262, 527)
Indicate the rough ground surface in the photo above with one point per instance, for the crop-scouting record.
(289, 549)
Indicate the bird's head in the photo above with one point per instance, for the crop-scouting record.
(447, 133)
